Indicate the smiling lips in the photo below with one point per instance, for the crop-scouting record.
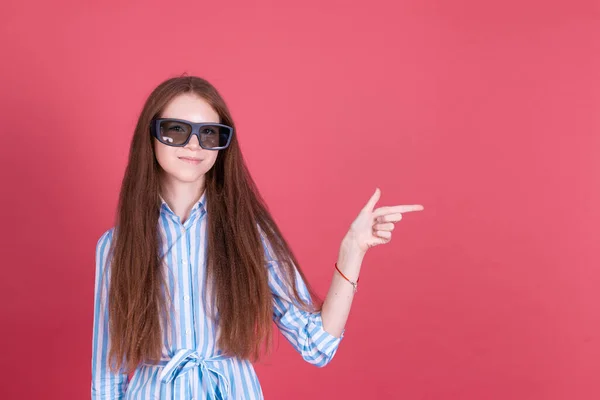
(191, 160)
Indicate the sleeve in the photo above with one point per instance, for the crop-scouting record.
(106, 385)
(302, 329)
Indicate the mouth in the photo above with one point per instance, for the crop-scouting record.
(190, 160)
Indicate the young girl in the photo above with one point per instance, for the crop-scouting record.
(195, 270)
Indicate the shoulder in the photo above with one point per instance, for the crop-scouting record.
(103, 243)
(266, 243)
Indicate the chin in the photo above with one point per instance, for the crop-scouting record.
(188, 178)
(183, 176)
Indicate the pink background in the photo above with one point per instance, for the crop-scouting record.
(484, 112)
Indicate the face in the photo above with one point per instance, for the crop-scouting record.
(189, 163)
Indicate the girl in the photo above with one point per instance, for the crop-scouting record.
(195, 270)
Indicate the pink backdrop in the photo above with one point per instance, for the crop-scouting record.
(484, 112)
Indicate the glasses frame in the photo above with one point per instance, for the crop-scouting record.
(196, 126)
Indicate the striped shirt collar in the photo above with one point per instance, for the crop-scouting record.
(200, 205)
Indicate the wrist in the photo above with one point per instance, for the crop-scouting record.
(350, 259)
(351, 249)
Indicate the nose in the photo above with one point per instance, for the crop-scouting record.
(194, 143)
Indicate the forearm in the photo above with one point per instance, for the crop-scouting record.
(338, 301)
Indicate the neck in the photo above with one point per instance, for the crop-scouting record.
(182, 196)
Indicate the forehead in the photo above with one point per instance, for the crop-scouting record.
(191, 108)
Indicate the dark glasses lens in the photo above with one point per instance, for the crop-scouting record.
(214, 136)
(176, 133)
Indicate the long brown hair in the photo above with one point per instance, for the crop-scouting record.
(235, 256)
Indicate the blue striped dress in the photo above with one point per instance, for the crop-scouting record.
(191, 366)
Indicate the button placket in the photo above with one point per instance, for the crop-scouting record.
(184, 258)
(185, 264)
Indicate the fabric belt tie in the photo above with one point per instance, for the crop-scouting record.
(186, 360)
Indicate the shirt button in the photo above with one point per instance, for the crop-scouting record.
(186, 297)
(187, 332)
(184, 261)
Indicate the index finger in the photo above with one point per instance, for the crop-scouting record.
(397, 209)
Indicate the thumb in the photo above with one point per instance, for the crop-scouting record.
(372, 201)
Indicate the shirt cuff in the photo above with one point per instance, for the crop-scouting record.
(324, 341)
